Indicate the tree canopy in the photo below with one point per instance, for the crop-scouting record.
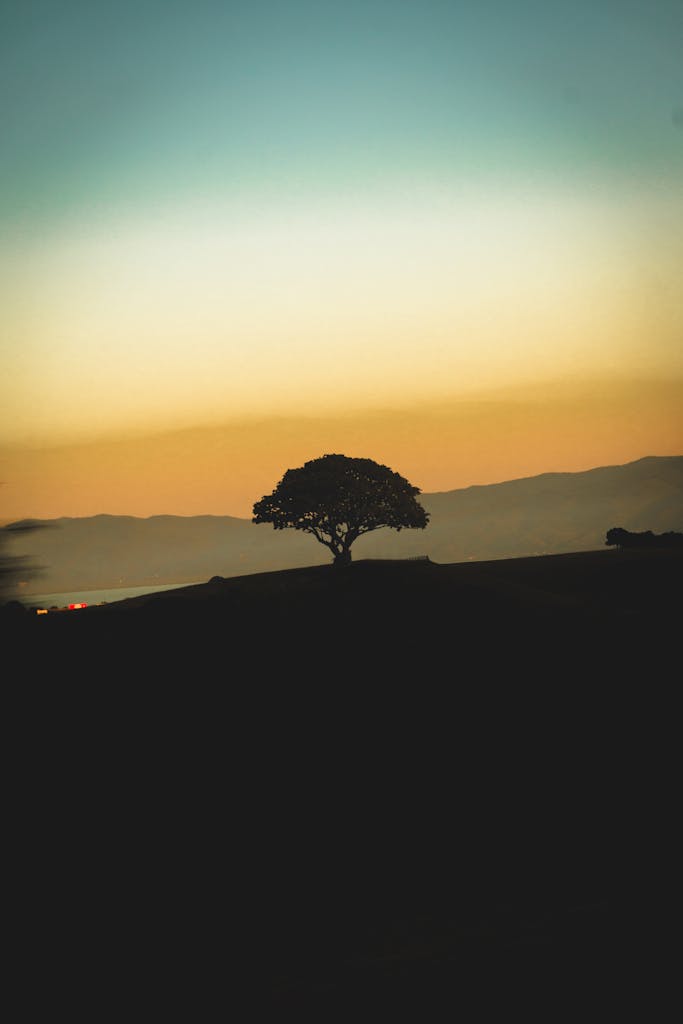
(618, 537)
(337, 499)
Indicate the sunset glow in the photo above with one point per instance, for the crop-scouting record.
(243, 240)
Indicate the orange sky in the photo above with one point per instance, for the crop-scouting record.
(223, 469)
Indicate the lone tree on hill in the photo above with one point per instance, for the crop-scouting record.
(338, 499)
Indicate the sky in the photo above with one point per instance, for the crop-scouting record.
(236, 236)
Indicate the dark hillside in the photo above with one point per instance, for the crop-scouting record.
(389, 786)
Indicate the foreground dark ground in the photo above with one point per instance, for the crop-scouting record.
(345, 793)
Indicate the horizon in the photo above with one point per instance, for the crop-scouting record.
(450, 490)
(547, 514)
(236, 236)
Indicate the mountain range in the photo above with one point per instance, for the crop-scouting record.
(551, 513)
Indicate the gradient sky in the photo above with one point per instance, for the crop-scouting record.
(234, 236)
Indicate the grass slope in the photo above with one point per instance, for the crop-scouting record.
(350, 793)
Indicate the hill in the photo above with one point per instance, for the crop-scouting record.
(551, 513)
(389, 785)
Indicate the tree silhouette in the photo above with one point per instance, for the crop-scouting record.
(338, 499)
(618, 537)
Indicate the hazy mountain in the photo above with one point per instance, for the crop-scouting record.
(125, 551)
(546, 514)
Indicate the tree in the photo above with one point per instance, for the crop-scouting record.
(618, 537)
(338, 499)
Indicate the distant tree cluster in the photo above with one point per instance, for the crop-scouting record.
(617, 537)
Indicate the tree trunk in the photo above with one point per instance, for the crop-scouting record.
(342, 557)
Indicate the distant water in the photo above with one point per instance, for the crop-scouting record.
(95, 596)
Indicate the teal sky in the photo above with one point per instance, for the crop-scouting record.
(147, 101)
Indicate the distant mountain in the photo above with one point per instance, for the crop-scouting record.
(125, 551)
(547, 514)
